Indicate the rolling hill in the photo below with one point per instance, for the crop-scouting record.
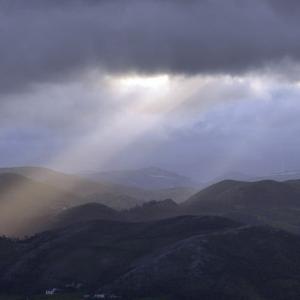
(29, 206)
(267, 201)
(32, 197)
(178, 258)
(263, 202)
(230, 194)
(114, 195)
(83, 213)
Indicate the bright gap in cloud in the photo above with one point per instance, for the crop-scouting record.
(150, 94)
(101, 116)
(143, 82)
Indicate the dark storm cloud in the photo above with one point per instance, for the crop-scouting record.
(290, 7)
(50, 40)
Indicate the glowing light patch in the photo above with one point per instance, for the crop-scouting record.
(143, 82)
(145, 94)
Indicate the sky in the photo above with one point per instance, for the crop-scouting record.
(201, 87)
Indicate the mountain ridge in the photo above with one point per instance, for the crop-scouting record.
(178, 258)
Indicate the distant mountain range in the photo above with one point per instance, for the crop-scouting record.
(145, 178)
(31, 195)
(257, 203)
(120, 196)
(238, 176)
(41, 198)
(277, 176)
(231, 240)
(283, 175)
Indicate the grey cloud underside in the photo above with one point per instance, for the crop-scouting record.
(47, 40)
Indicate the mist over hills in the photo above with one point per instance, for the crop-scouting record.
(241, 176)
(227, 241)
(146, 178)
(101, 190)
(29, 196)
(27, 205)
(283, 175)
(70, 182)
(262, 202)
(34, 199)
(257, 203)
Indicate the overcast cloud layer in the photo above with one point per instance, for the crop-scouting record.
(47, 40)
(228, 101)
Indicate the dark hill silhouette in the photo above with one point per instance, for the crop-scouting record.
(84, 213)
(178, 258)
(229, 193)
(263, 202)
(153, 210)
(267, 201)
(93, 253)
(239, 263)
(150, 211)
